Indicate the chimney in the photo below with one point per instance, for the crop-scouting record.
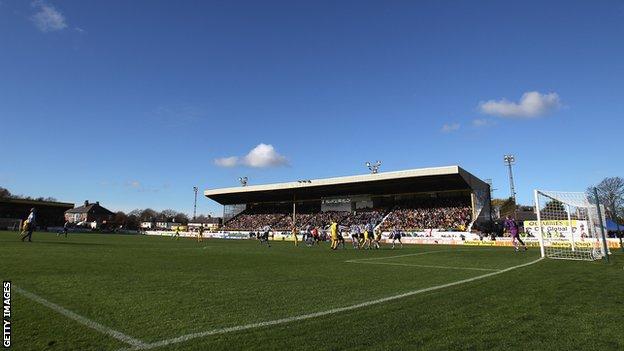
(86, 203)
(97, 203)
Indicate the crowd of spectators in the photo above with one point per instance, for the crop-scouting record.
(253, 221)
(286, 223)
(362, 217)
(445, 216)
(323, 219)
(439, 214)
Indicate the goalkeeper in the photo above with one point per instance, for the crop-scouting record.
(512, 228)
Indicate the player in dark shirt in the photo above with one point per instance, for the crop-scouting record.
(512, 228)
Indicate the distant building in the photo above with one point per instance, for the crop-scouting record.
(164, 225)
(49, 213)
(209, 223)
(147, 225)
(89, 213)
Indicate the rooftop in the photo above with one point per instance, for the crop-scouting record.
(412, 180)
(87, 207)
(36, 202)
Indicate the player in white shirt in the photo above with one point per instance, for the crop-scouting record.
(30, 227)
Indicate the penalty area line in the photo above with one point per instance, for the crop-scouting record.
(397, 256)
(192, 336)
(80, 319)
(412, 254)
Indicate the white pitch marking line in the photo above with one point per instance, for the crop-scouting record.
(406, 255)
(82, 320)
(425, 266)
(188, 337)
(414, 254)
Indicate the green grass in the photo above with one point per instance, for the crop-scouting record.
(156, 288)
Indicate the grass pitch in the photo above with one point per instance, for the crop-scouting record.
(170, 294)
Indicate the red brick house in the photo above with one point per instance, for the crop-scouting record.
(89, 212)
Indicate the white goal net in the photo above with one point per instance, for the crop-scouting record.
(10, 224)
(569, 225)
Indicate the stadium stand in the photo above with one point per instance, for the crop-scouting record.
(441, 198)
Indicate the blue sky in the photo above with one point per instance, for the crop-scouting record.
(132, 103)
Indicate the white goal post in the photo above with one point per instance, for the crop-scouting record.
(570, 226)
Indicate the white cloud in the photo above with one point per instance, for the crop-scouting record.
(482, 122)
(48, 18)
(450, 127)
(532, 104)
(226, 161)
(261, 156)
(264, 155)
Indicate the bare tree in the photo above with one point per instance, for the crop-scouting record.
(167, 215)
(201, 218)
(610, 194)
(136, 213)
(148, 215)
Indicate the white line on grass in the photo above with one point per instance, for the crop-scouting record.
(82, 320)
(405, 255)
(413, 254)
(425, 266)
(188, 337)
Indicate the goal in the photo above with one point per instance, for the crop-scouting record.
(10, 224)
(569, 226)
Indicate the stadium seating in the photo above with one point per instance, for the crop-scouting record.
(439, 214)
(253, 221)
(361, 217)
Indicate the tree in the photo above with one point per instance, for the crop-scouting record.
(148, 215)
(201, 218)
(120, 219)
(132, 222)
(167, 215)
(498, 202)
(610, 195)
(181, 218)
(136, 213)
(4, 193)
(508, 208)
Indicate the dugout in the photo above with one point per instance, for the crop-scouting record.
(49, 213)
(359, 192)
